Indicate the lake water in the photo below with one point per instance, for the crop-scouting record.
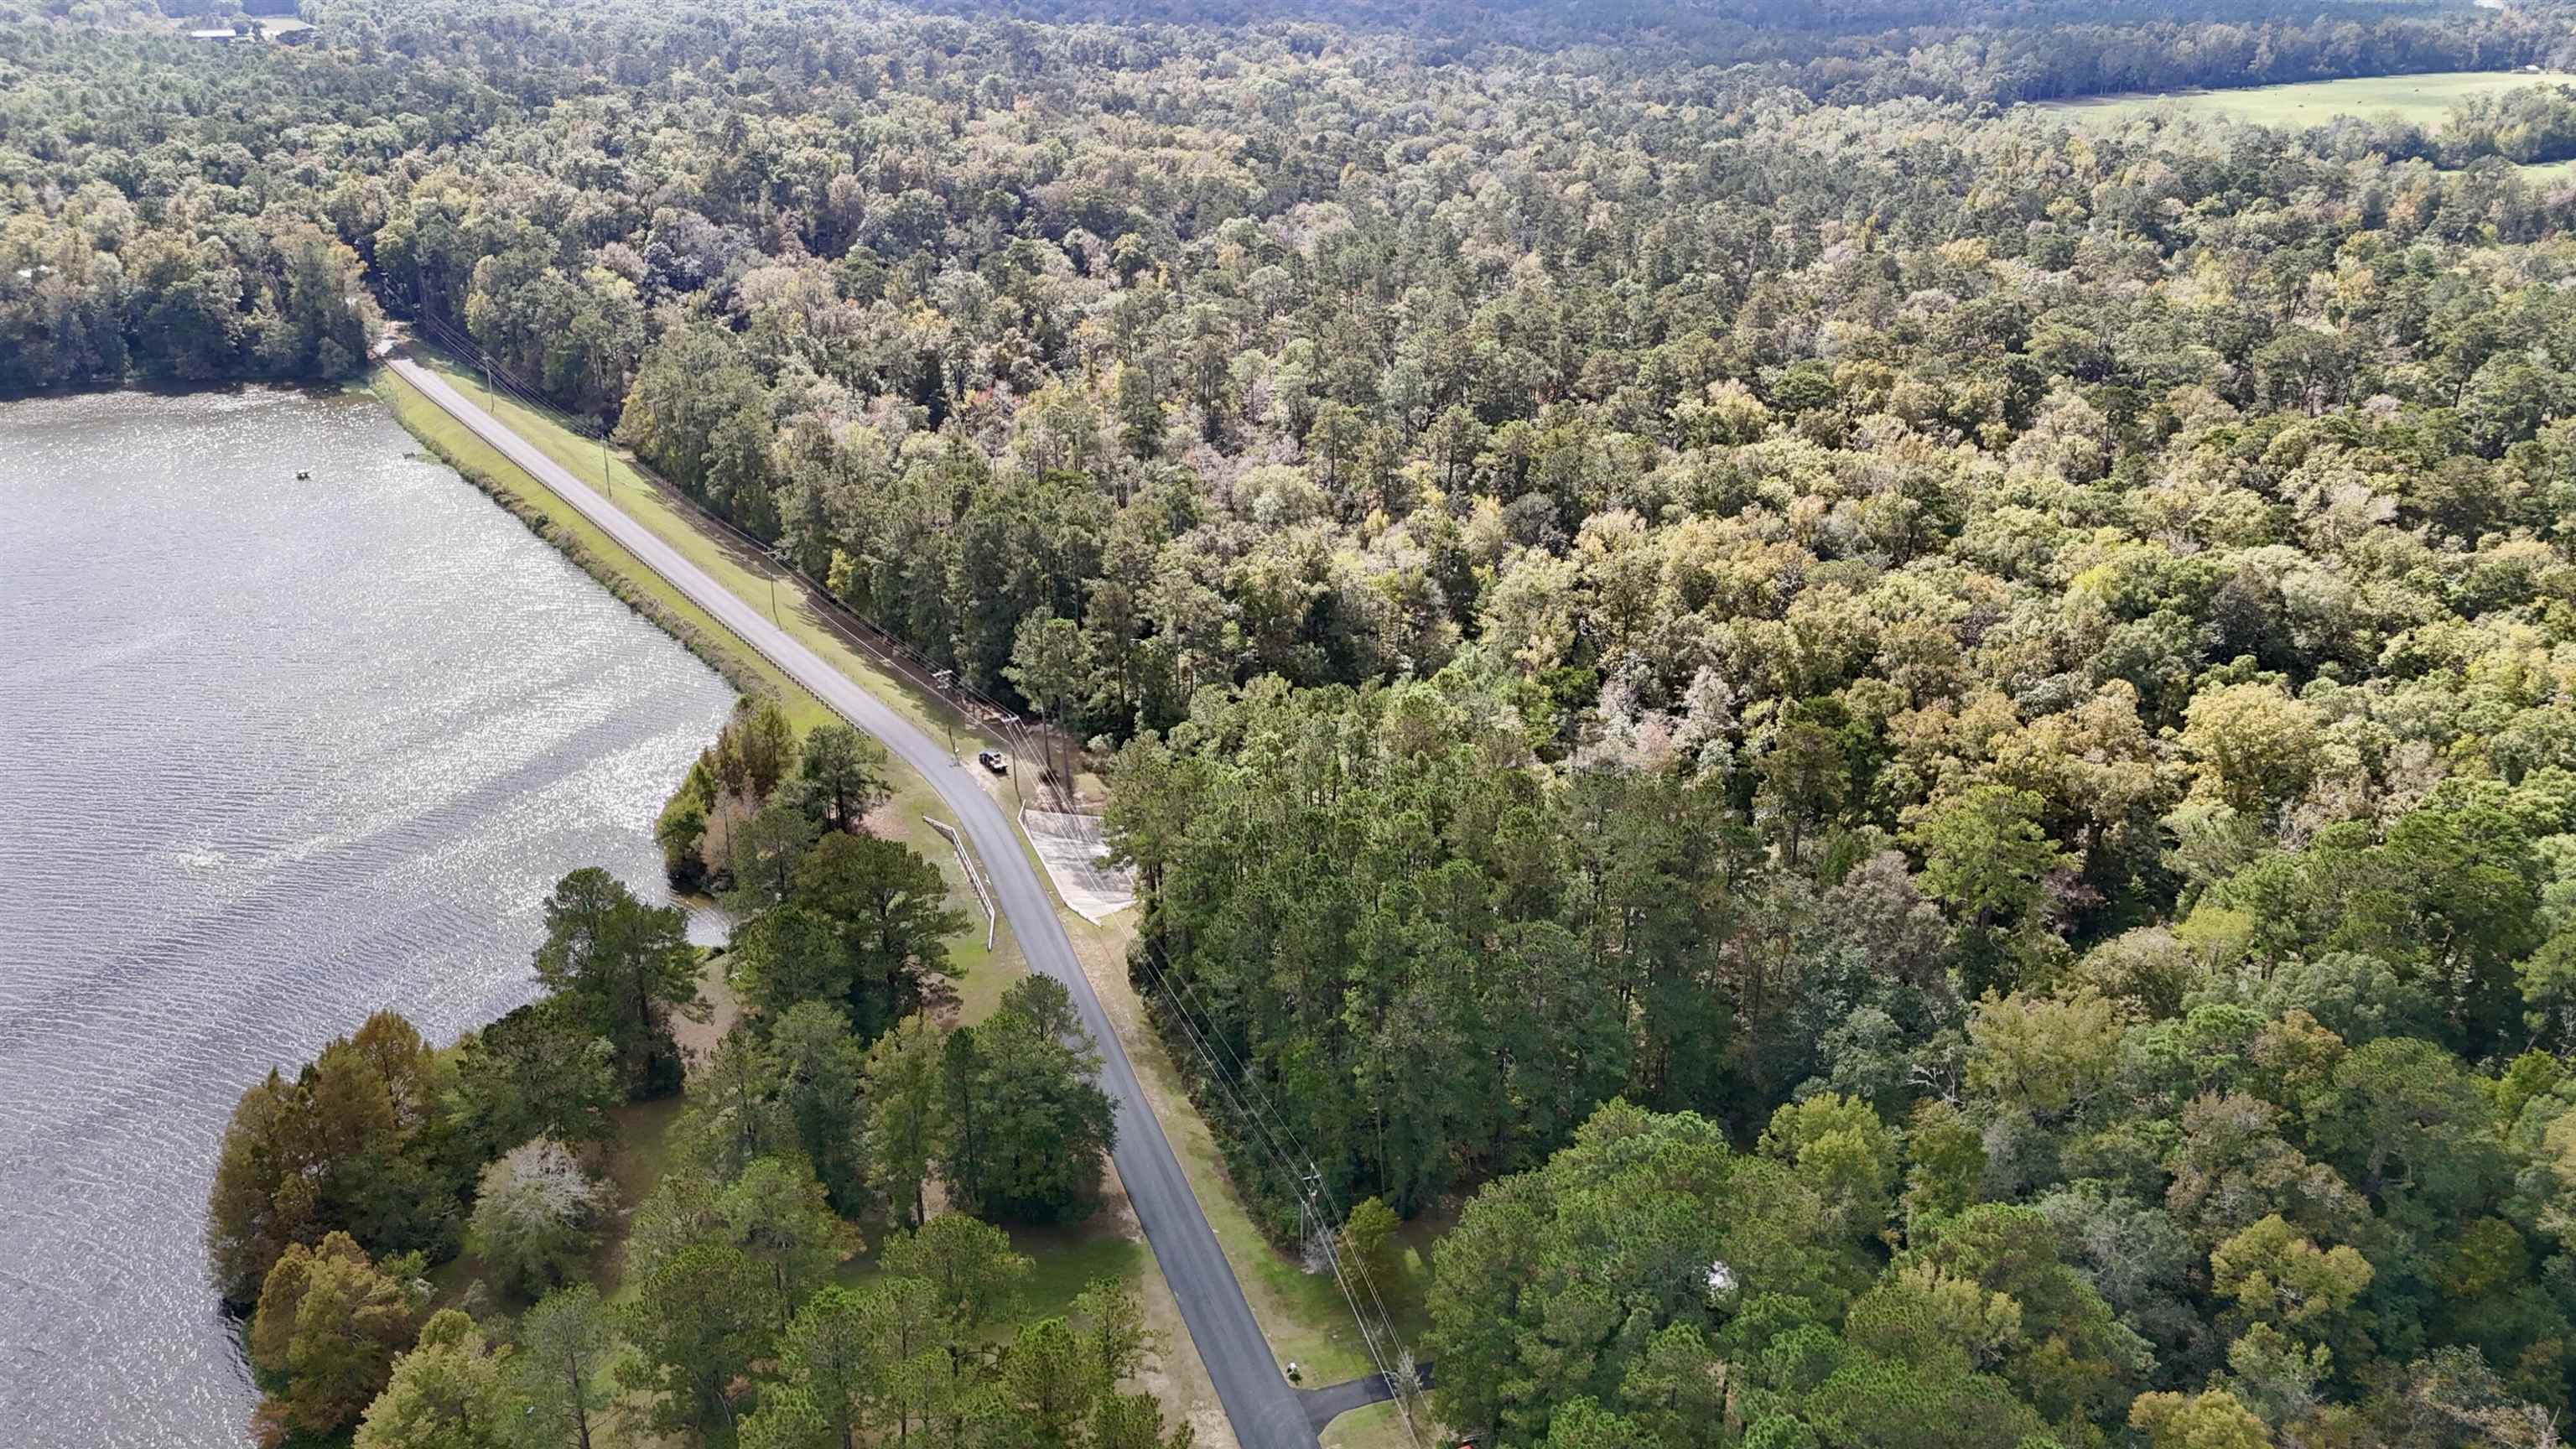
(272, 755)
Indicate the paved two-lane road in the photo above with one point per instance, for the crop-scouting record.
(1265, 1412)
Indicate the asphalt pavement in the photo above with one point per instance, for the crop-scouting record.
(1264, 1410)
(1326, 1404)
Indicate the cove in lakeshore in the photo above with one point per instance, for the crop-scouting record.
(279, 754)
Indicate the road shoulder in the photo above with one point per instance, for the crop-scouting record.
(1181, 1381)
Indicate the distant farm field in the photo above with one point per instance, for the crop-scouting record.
(2422, 99)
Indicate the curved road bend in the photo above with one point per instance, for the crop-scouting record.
(1264, 1411)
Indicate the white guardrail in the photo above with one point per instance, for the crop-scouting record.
(966, 863)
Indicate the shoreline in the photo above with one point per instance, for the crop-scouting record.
(1288, 1310)
(706, 643)
(373, 727)
(1252, 1397)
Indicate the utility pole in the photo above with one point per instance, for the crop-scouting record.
(777, 560)
(605, 477)
(1370, 1327)
(1310, 1221)
(944, 681)
(1007, 730)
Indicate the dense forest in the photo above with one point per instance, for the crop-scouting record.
(1922, 761)
(833, 1109)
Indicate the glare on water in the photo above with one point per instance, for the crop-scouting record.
(273, 754)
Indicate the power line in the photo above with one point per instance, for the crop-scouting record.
(1308, 1185)
(1314, 1175)
(1207, 1016)
(1190, 1027)
(499, 375)
(1254, 1109)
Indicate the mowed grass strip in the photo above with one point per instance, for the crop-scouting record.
(982, 974)
(652, 502)
(1364, 1428)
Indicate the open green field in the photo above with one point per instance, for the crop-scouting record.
(2424, 100)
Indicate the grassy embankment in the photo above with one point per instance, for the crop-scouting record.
(1368, 1428)
(2423, 100)
(1067, 1258)
(983, 974)
(1302, 1314)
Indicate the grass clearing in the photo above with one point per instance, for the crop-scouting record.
(1063, 1261)
(1366, 1428)
(2423, 100)
(643, 1148)
(633, 1166)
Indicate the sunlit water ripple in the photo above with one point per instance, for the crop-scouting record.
(273, 754)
